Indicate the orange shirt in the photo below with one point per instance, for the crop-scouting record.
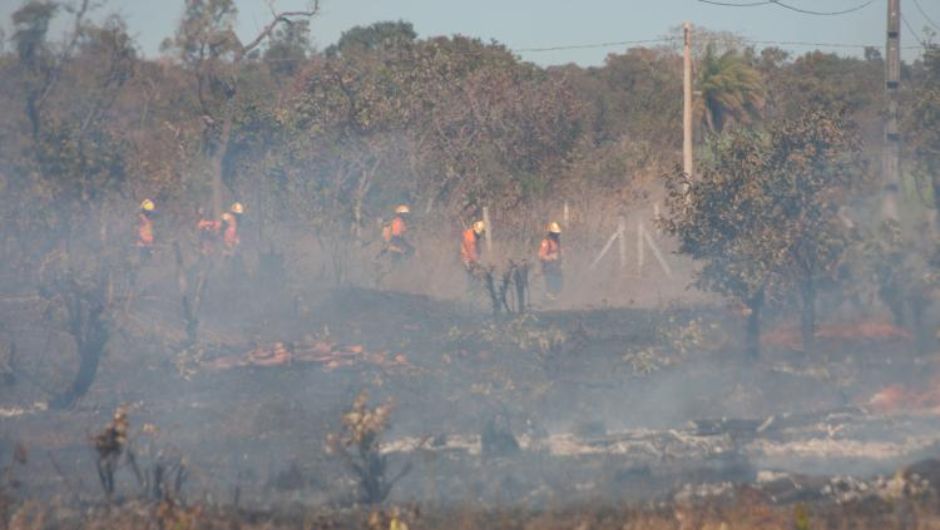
(144, 231)
(469, 249)
(230, 236)
(398, 227)
(549, 250)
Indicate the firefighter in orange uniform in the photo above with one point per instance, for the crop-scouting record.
(396, 244)
(470, 246)
(230, 239)
(145, 237)
(550, 258)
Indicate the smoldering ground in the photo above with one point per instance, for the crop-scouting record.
(591, 420)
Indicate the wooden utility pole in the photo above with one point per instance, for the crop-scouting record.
(890, 162)
(687, 103)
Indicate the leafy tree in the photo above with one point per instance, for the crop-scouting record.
(715, 222)
(922, 127)
(827, 80)
(448, 121)
(732, 90)
(637, 94)
(31, 23)
(207, 44)
(288, 49)
(67, 168)
(815, 163)
(901, 265)
(764, 215)
(375, 37)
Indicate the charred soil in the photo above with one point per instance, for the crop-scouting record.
(549, 419)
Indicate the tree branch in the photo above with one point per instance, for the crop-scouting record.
(283, 16)
(77, 31)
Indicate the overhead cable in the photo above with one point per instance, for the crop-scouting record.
(597, 45)
(913, 32)
(926, 16)
(823, 13)
(802, 44)
(733, 4)
(791, 7)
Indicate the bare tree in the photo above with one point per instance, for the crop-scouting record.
(207, 44)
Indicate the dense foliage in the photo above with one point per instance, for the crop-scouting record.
(763, 215)
(326, 142)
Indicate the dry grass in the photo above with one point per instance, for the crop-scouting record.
(748, 511)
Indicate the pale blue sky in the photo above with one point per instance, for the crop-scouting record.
(522, 24)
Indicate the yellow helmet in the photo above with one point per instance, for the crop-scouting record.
(238, 208)
(554, 228)
(147, 205)
(402, 208)
(479, 227)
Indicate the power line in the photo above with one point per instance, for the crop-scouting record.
(926, 16)
(802, 44)
(731, 4)
(797, 9)
(663, 40)
(596, 45)
(823, 13)
(913, 33)
(835, 45)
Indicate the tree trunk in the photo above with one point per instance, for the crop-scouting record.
(89, 327)
(218, 162)
(808, 315)
(752, 338)
(191, 292)
(87, 370)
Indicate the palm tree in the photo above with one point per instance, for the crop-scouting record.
(731, 90)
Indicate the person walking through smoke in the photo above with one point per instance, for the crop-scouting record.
(470, 251)
(550, 259)
(394, 233)
(145, 235)
(230, 238)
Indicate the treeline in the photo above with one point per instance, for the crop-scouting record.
(336, 136)
(330, 139)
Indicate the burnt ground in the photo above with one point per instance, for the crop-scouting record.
(608, 404)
